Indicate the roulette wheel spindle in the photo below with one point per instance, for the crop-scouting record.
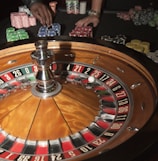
(46, 85)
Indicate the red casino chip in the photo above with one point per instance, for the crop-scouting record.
(85, 31)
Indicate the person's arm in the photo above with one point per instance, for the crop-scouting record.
(39, 11)
(93, 14)
(96, 8)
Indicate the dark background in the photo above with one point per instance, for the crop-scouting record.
(8, 6)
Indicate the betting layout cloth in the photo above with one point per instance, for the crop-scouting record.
(86, 31)
(53, 30)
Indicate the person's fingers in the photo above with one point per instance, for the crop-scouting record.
(42, 13)
(82, 22)
(88, 20)
(79, 24)
(95, 23)
(46, 16)
(37, 15)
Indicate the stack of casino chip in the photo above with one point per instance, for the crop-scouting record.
(154, 21)
(72, 6)
(53, 30)
(118, 39)
(23, 18)
(14, 35)
(24, 9)
(128, 15)
(76, 7)
(82, 32)
(138, 45)
(140, 16)
(143, 17)
(22, 34)
(153, 55)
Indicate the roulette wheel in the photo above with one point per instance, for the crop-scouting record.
(72, 98)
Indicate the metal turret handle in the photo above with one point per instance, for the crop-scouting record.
(46, 86)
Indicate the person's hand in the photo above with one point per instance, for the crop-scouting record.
(42, 13)
(88, 20)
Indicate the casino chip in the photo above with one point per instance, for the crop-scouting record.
(14, 35)
(57, 28)
(153, 56)
(118, 39)
(140, 16)
(138, 45)
(53, 30)
(42, 32)
(24, 9)
(85, 31)
(23, 18)
(72, 6)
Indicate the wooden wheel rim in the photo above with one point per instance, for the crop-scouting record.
(95, 53)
